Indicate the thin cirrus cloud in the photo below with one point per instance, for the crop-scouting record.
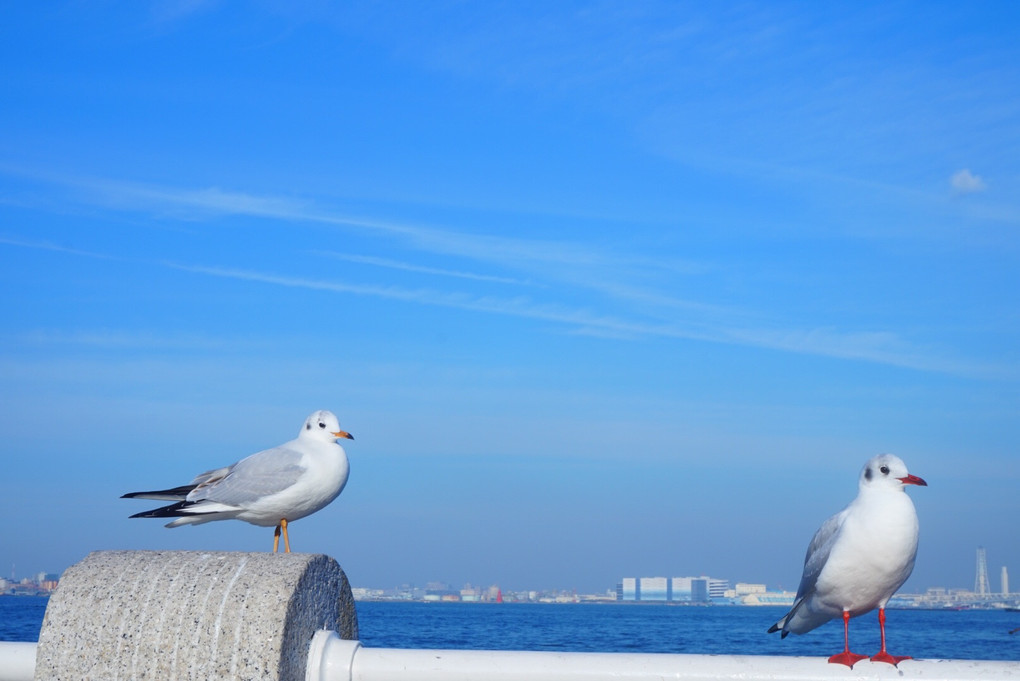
(875, 347)
(652, 313)
(421, 269)
(541, 260)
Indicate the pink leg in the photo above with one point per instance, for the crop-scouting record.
(882, 656)
(846, 657)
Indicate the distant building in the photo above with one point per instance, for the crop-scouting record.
(655, 589)
(784, 598)
(627, 590)
(717, 587)
(440, 591)
(680, 587)
(671, 589)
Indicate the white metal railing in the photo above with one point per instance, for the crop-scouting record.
(17, 661)
(333, 659)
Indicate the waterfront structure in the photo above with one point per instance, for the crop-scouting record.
(42, 584)
(777, 598)
(1005, 581)
(981, 576)
(671, 589)
(655, 589)
(758, 594)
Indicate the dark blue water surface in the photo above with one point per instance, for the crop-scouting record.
(21, 617)
(969, 634)
(966, 634)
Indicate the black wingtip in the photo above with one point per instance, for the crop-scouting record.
(174, 494)
(171, 511)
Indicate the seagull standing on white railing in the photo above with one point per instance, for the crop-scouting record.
(859, 557)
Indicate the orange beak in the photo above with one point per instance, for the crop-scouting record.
(343, 433)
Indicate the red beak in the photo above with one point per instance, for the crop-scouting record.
(913, 480)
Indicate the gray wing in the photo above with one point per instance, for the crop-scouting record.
(818, 552)
(814, 560)
(259, 475)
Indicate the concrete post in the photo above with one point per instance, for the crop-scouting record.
(192, 615)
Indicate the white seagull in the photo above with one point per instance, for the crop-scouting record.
(859, 557)
(272, 487)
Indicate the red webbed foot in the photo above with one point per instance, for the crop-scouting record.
(847, 658)
(894, 660)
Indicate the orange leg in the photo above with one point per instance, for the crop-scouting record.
(882, 656)
(846, 657)
(286, 539)
(276, 539)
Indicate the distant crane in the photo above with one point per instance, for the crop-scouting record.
(981, 579)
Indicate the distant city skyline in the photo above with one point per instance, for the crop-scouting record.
(993, 587)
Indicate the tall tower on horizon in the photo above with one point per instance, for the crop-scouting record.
(981, 578)
(1005, 581)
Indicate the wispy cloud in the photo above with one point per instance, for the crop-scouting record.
(519, 306)
(966, 182)
(421, 269)
(49, 246)
(876, 347)
(546, 259)
(635, 301)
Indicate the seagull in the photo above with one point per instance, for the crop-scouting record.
(272, 487)
(859, 557)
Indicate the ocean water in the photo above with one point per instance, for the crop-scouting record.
(964, 634)
(21, 617)
(631, 628)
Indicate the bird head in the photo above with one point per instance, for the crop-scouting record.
(323, 425)
(888, 471)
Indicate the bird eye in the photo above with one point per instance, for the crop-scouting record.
(321, 424)
(885, 470)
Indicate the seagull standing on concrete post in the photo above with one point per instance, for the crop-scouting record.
(273, 487)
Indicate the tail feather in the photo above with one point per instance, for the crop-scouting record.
(781, 624)
(171, 511)
(191, 512)
(175, 494)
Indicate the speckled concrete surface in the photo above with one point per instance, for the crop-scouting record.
(199, 615)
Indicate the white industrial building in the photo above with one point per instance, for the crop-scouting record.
(671, 589)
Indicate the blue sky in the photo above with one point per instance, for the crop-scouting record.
(601, 289)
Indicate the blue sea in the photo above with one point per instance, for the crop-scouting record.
(963, 634)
